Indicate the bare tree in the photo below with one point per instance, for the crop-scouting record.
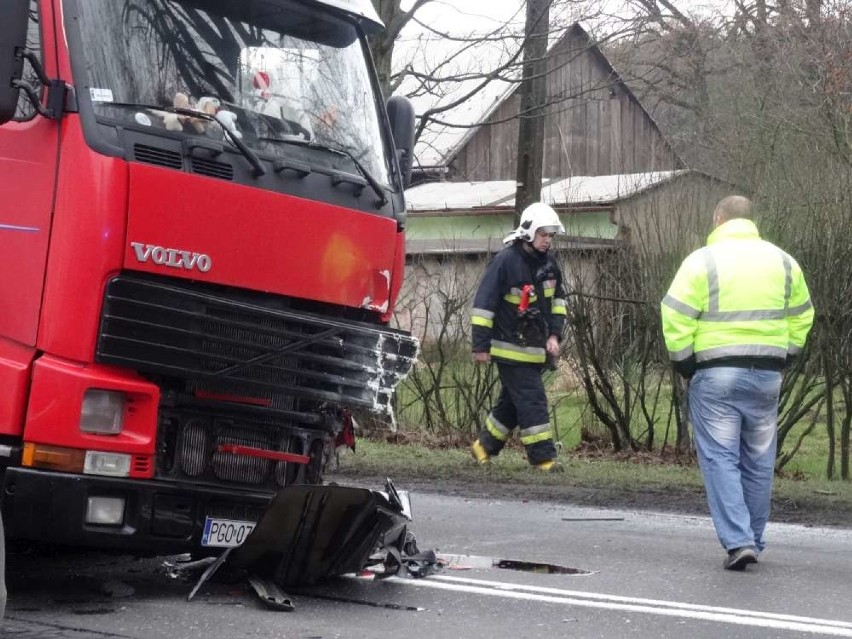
(382, 43)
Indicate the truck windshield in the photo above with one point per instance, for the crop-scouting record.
(268, 70)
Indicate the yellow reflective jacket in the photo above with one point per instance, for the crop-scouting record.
(740, 299)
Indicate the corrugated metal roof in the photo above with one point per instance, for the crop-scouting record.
(458, 195)
(573, 191)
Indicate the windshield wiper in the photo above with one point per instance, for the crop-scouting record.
(241, 146)
(372, 181)
(250, 155)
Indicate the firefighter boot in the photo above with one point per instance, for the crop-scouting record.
(479, 453)
(550, 466)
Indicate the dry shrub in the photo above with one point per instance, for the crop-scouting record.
(565, 377)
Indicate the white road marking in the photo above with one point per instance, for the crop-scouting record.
(633, 604)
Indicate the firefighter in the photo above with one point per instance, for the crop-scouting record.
(517, 322)
(737, 311)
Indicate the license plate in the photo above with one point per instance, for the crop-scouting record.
(225, 533)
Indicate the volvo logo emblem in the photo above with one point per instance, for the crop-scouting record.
(174, 258)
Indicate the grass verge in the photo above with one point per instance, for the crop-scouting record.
(636, 483)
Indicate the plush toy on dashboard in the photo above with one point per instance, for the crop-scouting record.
(228, 119)
(211, 106)
(174, 121)
(206, 104)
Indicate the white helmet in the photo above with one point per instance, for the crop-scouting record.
(537, 215)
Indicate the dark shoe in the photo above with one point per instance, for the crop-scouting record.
(739, 558)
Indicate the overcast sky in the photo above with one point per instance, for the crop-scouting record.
(462, 16)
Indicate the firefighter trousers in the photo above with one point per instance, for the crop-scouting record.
(522, 404)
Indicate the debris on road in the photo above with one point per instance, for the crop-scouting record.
(313, 533)
(270, 594)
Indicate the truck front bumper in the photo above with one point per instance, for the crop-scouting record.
(159, 518)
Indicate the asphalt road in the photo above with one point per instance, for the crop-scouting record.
(637, 574)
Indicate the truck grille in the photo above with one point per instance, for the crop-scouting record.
(228, 467)
(221, 341)
(190, 440)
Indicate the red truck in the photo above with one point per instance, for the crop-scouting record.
(201, 244)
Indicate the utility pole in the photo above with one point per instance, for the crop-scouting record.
(533, 97)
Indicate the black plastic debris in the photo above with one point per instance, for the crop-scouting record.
(403, 557)
(311, 533)
(270, 594)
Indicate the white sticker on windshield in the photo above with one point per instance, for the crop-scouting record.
(100, 95)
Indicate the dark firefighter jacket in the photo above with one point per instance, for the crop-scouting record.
(497, 325)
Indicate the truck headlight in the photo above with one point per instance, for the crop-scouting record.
(106, 464)
(102, 412)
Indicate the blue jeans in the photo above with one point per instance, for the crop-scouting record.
(734, 414)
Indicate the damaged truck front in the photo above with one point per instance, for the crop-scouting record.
(201, 243)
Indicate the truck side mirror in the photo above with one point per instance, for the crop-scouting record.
(401, 116)
(13, 39)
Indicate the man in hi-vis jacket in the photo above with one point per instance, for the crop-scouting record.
(517, 322)
(736, 313)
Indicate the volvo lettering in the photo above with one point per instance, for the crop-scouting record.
(172, 257)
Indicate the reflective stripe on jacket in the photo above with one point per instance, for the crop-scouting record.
(494, 318)
(738, 297)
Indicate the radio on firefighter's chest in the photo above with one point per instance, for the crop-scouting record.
(531, 325)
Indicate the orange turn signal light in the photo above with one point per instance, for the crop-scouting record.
(69, 460)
